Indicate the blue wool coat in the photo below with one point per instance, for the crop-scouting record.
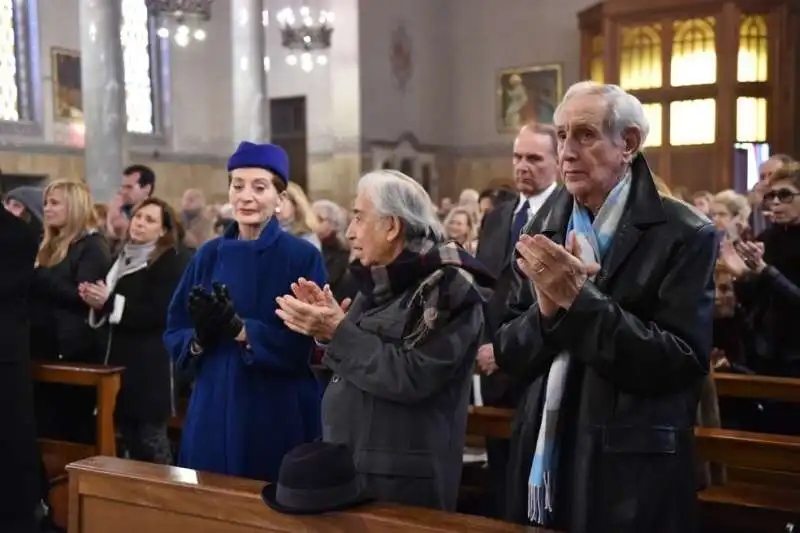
(249, 406)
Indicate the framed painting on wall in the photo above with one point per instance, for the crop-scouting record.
(527, 94)
(67, 92)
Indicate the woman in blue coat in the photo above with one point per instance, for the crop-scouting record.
(254, 396)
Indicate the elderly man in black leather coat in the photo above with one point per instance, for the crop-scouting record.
(611, 328)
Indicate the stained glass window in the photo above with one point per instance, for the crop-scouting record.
(9, 91)
(751, 120)
(135, 37)
(640, 57)
(692, 122)
(753, 49)
(653, 114)
(694, 54)
(596, 66)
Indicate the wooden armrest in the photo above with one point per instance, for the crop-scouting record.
(748, 449)
(74, 373)
(757, 387)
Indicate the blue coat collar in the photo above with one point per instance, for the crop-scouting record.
(270, 233)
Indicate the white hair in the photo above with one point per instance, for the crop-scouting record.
(624, 110)
(396, 195)
(332, 213)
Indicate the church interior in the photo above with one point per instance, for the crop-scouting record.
(435, 89)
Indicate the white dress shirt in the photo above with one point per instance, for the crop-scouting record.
(534, 202)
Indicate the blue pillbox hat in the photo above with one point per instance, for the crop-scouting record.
(267, 156)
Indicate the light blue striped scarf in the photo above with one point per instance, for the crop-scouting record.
(595, 240)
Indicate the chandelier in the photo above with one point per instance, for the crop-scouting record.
(307, 36)
(183, 19)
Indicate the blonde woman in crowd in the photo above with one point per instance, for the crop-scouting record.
(730, 212)
(296, 215)
(461, 226)
(73, 252)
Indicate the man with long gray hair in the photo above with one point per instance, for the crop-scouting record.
(612, 329)
(403, 355)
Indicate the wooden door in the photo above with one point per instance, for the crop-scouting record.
(289, 131)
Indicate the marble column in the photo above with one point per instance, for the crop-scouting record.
(103, 86)
(249, 78)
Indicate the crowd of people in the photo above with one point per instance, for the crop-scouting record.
(586, 298)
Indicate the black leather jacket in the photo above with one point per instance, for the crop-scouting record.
(639, 337)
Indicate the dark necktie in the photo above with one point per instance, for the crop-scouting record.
(519, 222)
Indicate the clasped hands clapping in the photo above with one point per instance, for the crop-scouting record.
(741, 258)
(214, 316)
(557, 272)
(311, 310)
(94, 294)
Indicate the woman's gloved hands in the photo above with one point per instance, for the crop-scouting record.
(230, 324)
(213, 315)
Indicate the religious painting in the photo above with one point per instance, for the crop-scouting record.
(67, 93)
(527, 94)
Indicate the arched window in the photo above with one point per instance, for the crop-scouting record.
(18, 58)
(694, 53)
(142, 59)
(753, 53)
(640, 57)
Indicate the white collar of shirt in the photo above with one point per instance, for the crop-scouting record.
(534, 202)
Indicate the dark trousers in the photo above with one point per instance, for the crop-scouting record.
(497, 454)
(143, 441)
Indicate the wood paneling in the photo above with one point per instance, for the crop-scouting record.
(709, 167)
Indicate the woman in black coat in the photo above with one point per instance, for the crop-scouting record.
(19, 481)
(132, 302)
(72, 252)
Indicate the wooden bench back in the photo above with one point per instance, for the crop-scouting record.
(56, 454)
(137, 497)
(105, 379)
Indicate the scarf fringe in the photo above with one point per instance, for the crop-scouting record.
(540, 501)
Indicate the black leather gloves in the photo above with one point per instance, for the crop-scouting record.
(213, 315)
(230, 324)
(201, 311)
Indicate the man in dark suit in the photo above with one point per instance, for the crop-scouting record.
(19, 483)
(535, 173)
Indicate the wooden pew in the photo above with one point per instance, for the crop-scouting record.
(738, 505)
(137, 497)
(57, 454)
(741, 504)
(766, 388)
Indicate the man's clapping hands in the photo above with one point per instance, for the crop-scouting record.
(557, 272)
(311, 310)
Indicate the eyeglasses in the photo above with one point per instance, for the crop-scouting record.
(784, 196)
